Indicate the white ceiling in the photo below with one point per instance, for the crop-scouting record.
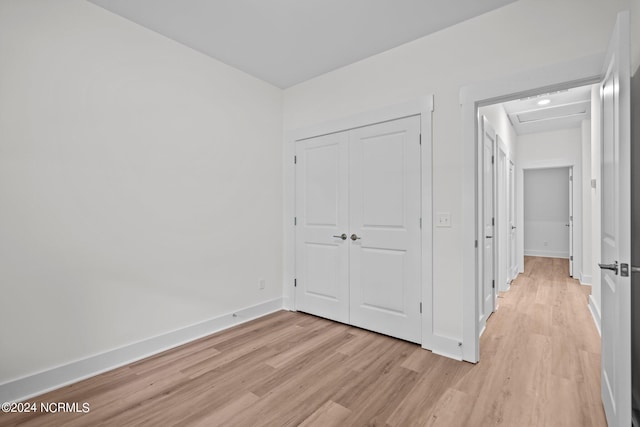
(285, 42)
(566, 109)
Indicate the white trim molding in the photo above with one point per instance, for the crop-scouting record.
(595, 313)
(51, 379)
(585, 279)
(546, 254)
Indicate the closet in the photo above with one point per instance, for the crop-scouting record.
(358, 243)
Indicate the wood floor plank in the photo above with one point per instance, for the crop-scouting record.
(328, 415)
(540, 366)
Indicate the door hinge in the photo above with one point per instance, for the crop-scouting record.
(420, 222)
(420, 307)
(493, 284)
(420, 139)
(571, 258)
(476, 244)
(295, 159)
(295, 283)
(493, 159)
(493, 221)
(295, 220)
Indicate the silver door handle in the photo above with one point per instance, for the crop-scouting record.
(488, 237)
(343, 236)
(513, 227)
(355, 237)
(612, 267)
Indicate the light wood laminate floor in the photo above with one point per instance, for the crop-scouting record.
(540, 366)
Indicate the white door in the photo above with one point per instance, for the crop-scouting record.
(616, 228)
(384, 232)
(502, 234)
(513, 261)
(570, 223)
(488, 282)
(322, 259)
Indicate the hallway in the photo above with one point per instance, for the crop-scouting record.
(543, 352)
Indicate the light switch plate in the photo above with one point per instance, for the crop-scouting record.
(443, 219)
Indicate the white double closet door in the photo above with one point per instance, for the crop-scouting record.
(358, 244)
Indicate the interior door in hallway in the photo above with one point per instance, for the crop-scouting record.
(616, 228)
(487, 284)
(570, 221)
(384, 220)
(322, 249)
(513, 260)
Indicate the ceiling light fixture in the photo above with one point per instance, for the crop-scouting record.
(544, 101)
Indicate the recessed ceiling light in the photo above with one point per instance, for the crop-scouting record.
(544, 101)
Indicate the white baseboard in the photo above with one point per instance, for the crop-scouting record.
(51, 379)
(445, 346)
(585, 279)
(595, 313)
(546, 254)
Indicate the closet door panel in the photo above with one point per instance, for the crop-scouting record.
(384, 221)
(322, 259)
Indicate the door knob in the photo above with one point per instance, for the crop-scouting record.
(488, 237)
(612, 267)
(355, 237)
(343, 236)
(513, 227)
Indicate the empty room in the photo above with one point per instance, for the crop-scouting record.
(246, 213)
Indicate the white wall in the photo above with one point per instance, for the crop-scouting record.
(546, 212)
(497, 116)
(141, 185)
(549, 150)
(488, 47)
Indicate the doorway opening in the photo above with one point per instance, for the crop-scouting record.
(534, 163)
(548, 213)
(612, 74)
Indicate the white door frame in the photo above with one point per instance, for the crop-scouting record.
(511, 226)
(581, 71)
(424, 108)
(502, 216)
